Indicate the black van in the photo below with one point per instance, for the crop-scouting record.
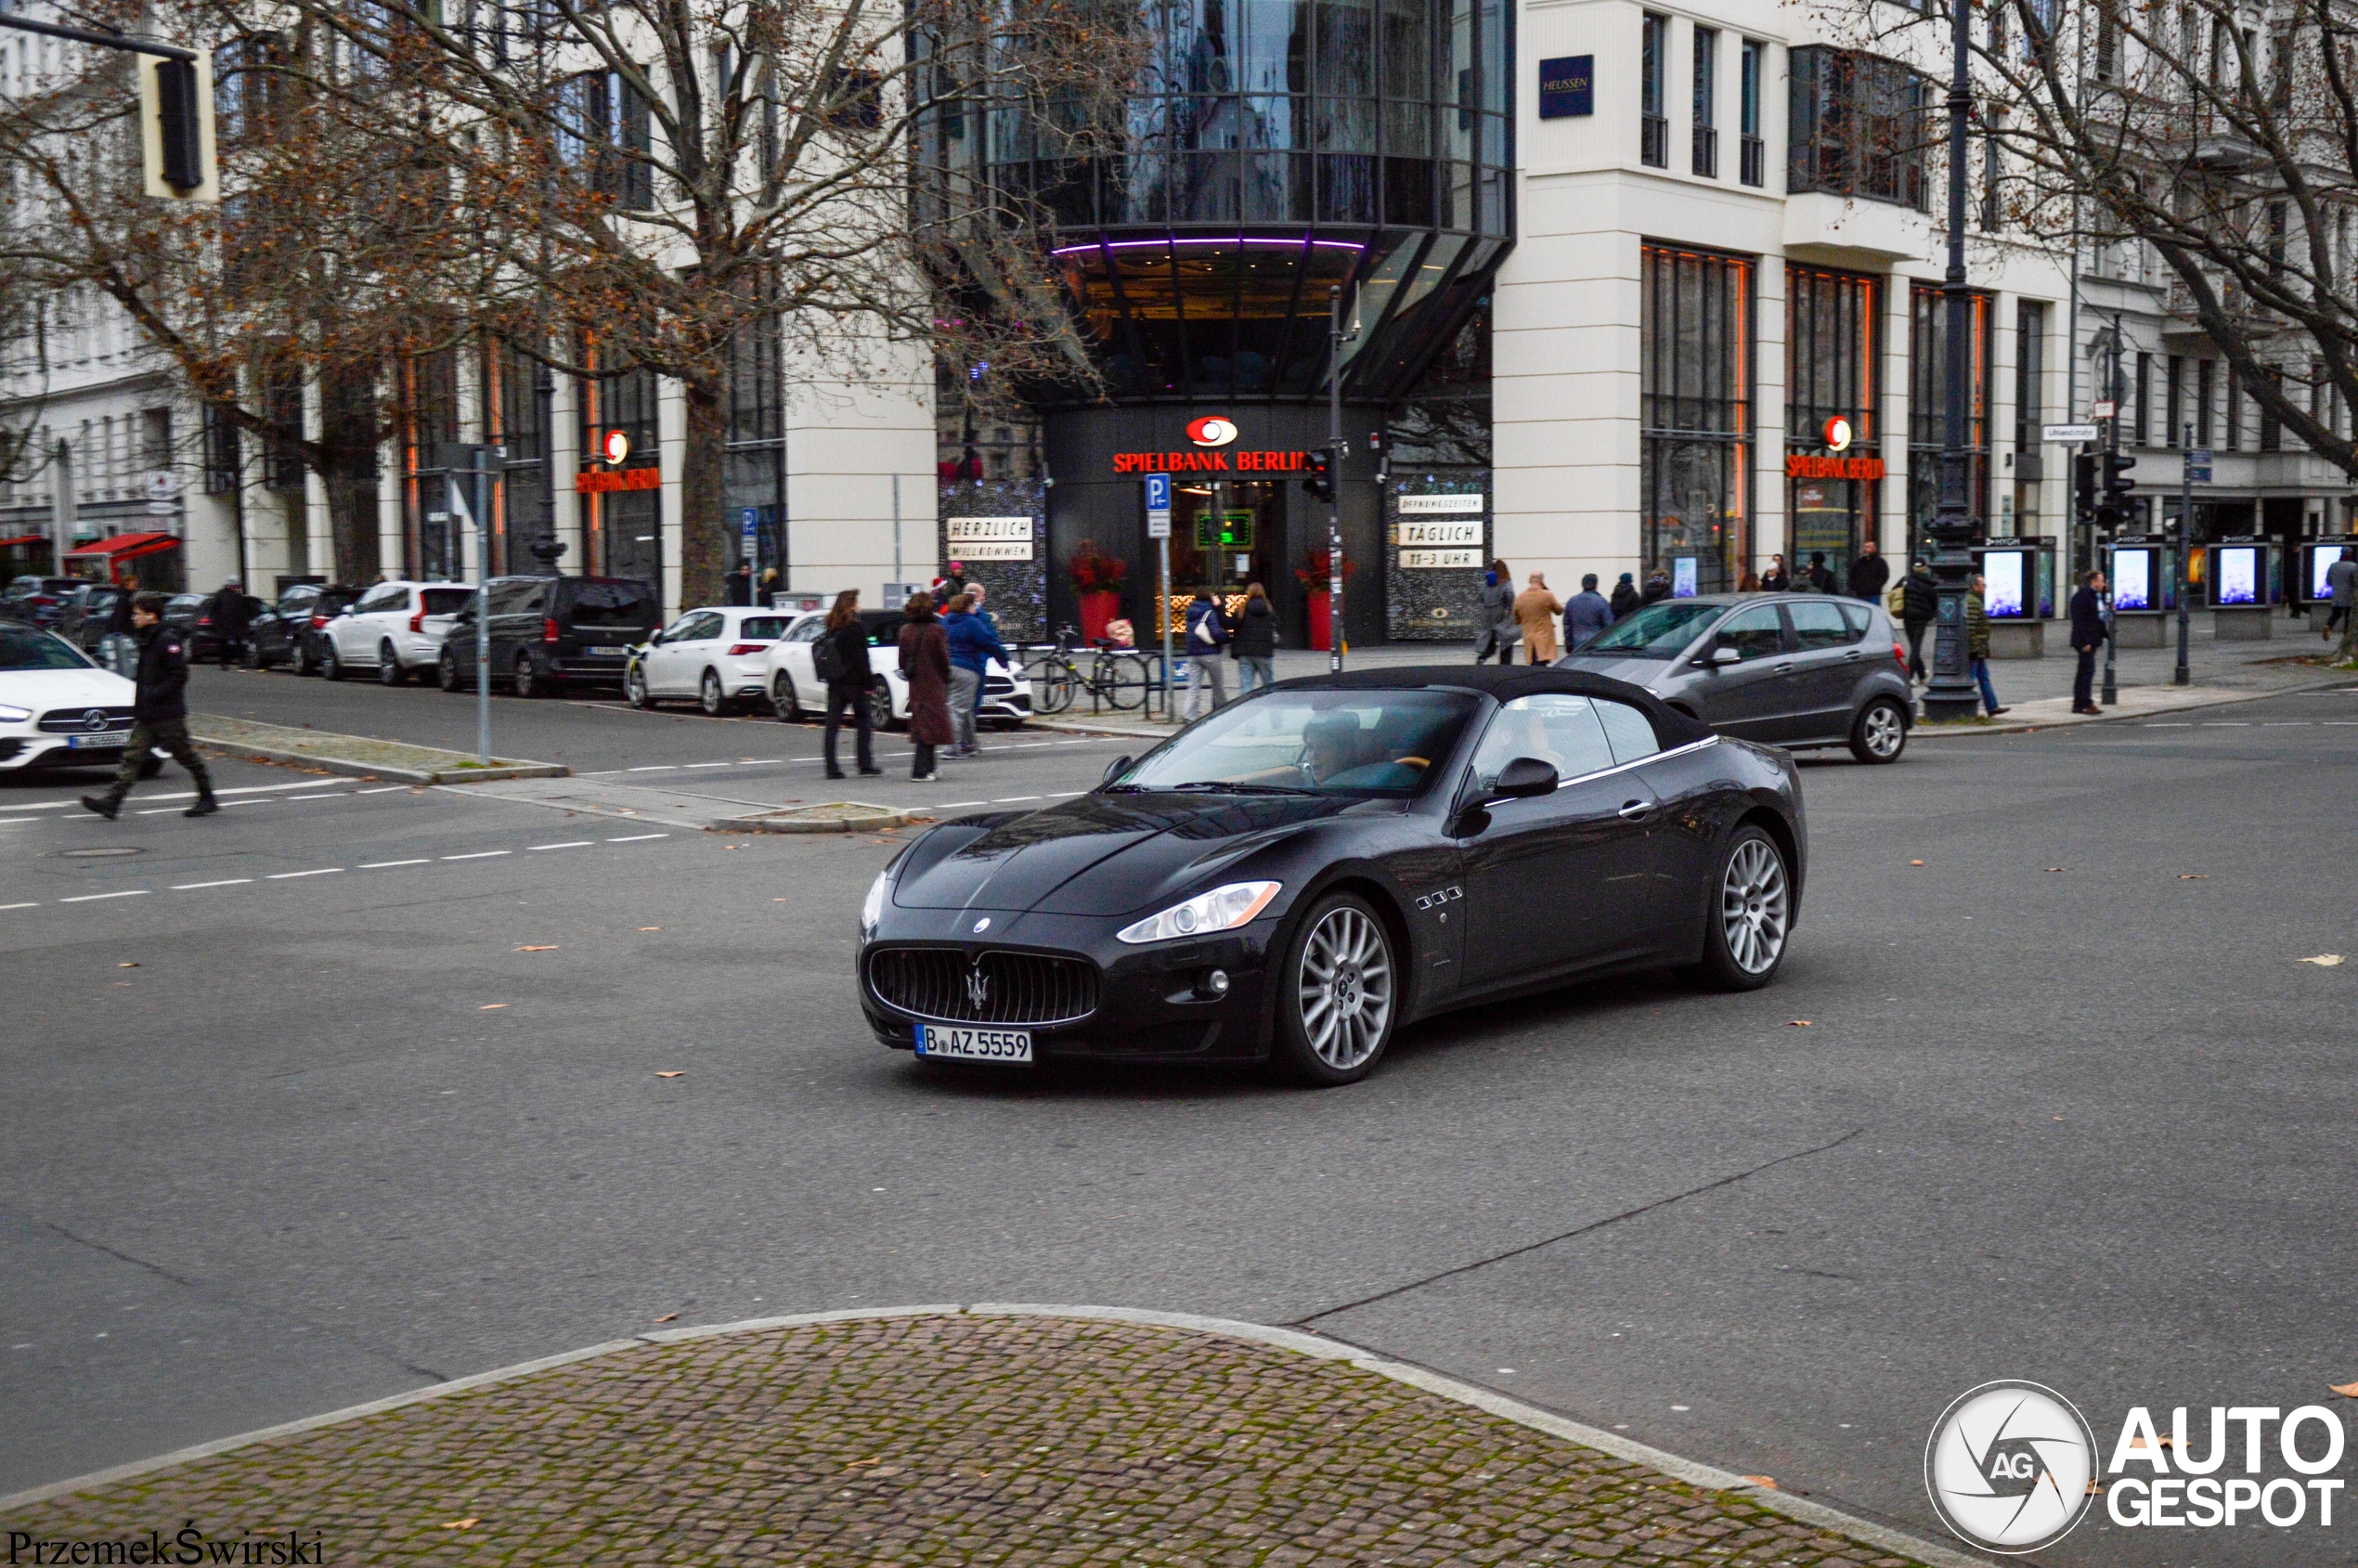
(550, 632)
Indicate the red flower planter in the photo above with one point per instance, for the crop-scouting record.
(1320, 611)
(1096, 609)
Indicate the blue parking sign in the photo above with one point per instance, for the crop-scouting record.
(1158, 492)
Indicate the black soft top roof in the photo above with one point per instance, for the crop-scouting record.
(1504, 683)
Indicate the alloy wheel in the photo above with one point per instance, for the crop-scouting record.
(634, 688)
(1344, 988)
(709, 697)
(1882, 731)
(1755, 906)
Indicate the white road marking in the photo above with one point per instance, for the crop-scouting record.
(88, 898)
(2341, 723)
(657, 767)
(2226, 724)
(480, 855)
(2187, 726)
(381, 789)
(225, 881)
(638, 838)
(379, 865)
(1066, 794)
(9, 819)
(953, 805)
(291, 875)
(569, 844)
(1011, 799)
(191, 795)
(710, 764)
(35, 904)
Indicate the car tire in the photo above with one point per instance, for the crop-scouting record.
(448, 671)
(1747, 914)
(880, 704)
(330, 665)
(389, 671)
(634, 688)
(1338, 995)
(305, 663)
(251, 657)
(785, 700)
(1880, 733)
(527, 679)
(711, 698)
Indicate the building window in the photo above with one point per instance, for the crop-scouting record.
(1856, 126)
(2031, 367)
(222, 457)
(2272, 428)
(2174, 409)
(1833, 336)
(1928, 406)
(2235, 411)
(2140, 421)
(1752, 167)
(604, 134)
(1695, 415)
(2202, 402)
(1992, 172)
(282, 465)
(1706, 126)
(1654, 79)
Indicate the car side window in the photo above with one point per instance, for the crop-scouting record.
(679, 631)
(807, 631)
(1858, 619)
(1819, 623)
(708, 626)
(1754, 633)
(1559, 729)
(379, 598)
(1631, 732)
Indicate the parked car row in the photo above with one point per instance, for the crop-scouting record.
(725, 659)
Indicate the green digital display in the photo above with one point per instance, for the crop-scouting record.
(1228, 530)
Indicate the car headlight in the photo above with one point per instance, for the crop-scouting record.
(872, 908)
(14, 714)
(1223, 909)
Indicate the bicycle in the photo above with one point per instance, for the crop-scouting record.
(1121, 678)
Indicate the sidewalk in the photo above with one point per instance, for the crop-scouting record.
(940, 1436)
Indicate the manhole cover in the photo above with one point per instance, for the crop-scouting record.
(98, 854)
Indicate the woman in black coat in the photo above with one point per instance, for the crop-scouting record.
(847, 635)
(1253, 640)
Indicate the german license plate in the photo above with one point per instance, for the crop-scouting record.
(974, 1044)
(607, 650)
(104, 738)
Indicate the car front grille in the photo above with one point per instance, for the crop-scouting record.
(989, 987)
(77, 720)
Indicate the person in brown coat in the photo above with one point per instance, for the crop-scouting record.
(1535, 610)
(925, 659)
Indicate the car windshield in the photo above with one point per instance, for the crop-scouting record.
(1658, 631)
(615, 603)
(1313, 742)
(24, 647)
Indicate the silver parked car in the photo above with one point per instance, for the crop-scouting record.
(1789, 670)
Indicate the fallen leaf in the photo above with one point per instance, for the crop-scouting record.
(1767, 1480)
(491, 1007)
(2054, 868)
(2096, 1487)
(467, 1523)
(2193, 876)
(1915, 862)
(2348, 1390)
(549, 947)
(2324, 961)
(1797, 1023)
(671, 1075)
(666, 1318)
(127, 965)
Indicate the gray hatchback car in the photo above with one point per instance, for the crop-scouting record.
(1790, 669)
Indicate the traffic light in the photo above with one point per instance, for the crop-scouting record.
(2112, 510)
(176, 128)
(1320, 482)
(2083, 486)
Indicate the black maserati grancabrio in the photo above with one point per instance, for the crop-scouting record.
(1294, 877)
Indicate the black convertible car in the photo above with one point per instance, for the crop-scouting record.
(1297, 875)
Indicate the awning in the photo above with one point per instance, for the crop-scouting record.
(125, 547)
(24, 538)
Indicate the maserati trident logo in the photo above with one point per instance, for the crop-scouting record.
(1211, 431)
(2008, 1466)
(977, 988)
(94, 719)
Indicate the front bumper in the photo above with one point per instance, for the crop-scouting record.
(1146, 1010)
(33, 751)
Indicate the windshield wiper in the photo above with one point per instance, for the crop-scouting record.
(1225, 787)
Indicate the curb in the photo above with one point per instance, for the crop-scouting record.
(1117, 732)
(853, 816)
(1707, 1477)
(1923, 729)
(351, 768)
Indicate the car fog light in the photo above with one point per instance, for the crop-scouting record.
(1214, 983)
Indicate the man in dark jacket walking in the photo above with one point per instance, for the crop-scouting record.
(1587, 614)
(2087, 636)
(1919, 607)
(1870, 573)
(159, 713)
(1500, 632)
(232, 612)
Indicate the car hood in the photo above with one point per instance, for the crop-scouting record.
(44, 690)
(1653, 674)
(1101, 854)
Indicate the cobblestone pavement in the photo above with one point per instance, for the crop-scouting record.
(947, 1439)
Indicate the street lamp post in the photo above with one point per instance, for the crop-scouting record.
(1952, 693)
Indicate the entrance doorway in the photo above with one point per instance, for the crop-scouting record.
(631, 535)
(1830, 516)
(1224, 534)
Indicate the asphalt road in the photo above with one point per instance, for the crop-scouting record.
(342, 1134)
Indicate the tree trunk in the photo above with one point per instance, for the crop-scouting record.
(703, 534)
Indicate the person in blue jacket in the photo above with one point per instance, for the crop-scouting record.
(973, 644)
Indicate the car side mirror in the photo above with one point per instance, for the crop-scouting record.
(1113, 769)
(1723, 654)
(655, 641)
(1523, 778)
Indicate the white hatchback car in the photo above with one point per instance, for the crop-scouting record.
(718, 656)
(394, 629)
(796, 691)
(58, 708)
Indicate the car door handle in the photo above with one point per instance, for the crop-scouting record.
(1853, 657)
(1635, 810)
(1785, 668)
